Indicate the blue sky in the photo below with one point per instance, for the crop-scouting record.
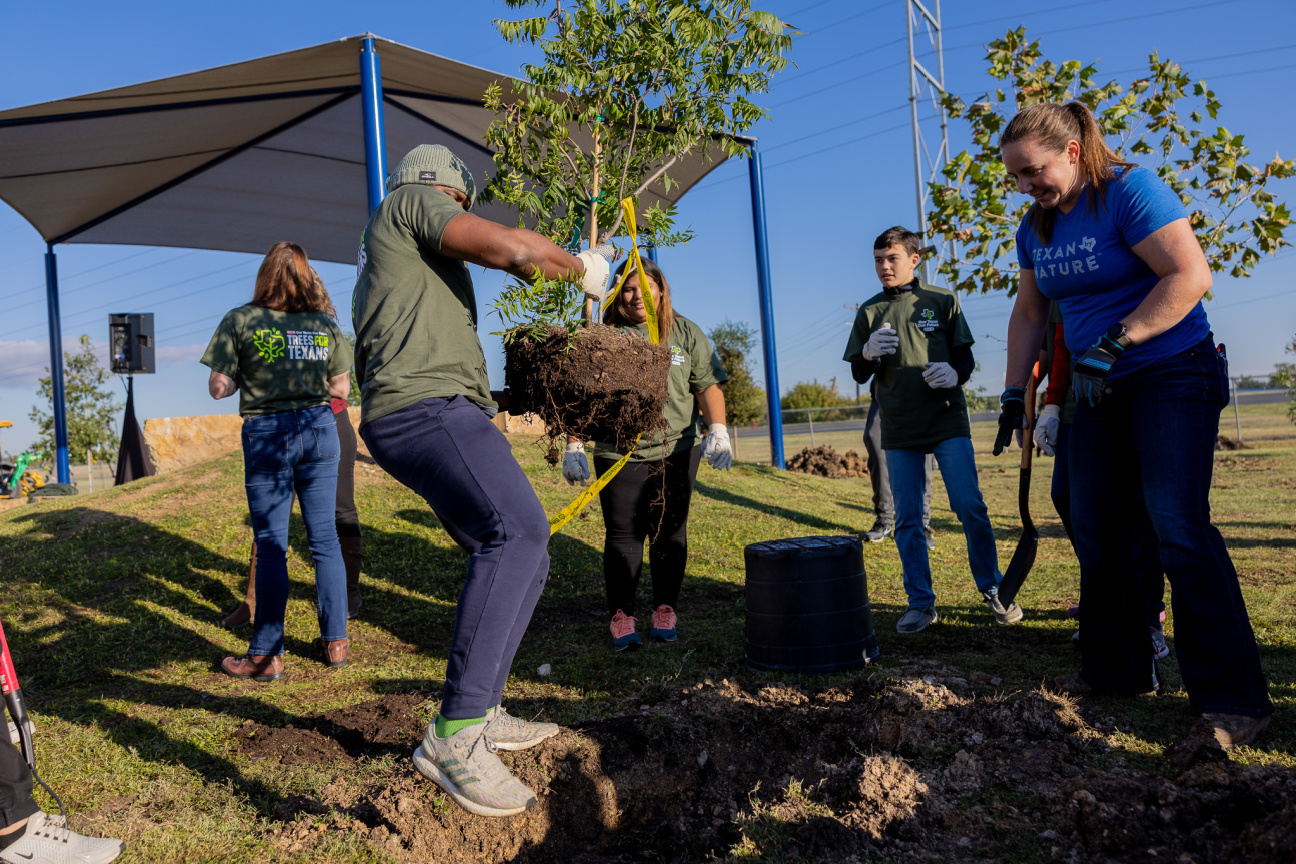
(838, 164)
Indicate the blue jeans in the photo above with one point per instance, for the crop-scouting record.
(957, 465)
(293, 451)
(1156, 430)
(449, 452)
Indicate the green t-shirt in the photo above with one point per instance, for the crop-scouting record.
(414, 309)
(930, 324)
(281, 361)
(695, 366)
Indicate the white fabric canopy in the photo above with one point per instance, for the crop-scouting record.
(240, 157)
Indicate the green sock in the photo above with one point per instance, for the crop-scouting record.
(445, 728)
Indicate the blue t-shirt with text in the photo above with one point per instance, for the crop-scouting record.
(1090, 270)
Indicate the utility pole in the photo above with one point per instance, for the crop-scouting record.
(922, 83)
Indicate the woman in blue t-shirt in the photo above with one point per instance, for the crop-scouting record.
(1112, 245)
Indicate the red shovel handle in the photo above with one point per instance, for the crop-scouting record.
(8, 675)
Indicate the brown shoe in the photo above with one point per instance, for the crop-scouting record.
(1232, 730)
(352, 555)
(258, 667)
(335, 653)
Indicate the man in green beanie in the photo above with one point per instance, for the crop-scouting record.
(426, 407)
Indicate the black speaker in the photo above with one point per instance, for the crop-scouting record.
(130, 343)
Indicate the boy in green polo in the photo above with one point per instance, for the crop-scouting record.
(914, 338)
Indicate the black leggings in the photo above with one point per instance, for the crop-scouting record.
(344, 514)
(16, 802)
(634, 511)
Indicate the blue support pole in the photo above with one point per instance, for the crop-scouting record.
(57, 393)
(651, 252)
(371, 101)
(766, 307)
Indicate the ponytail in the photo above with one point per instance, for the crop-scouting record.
(1054, 126)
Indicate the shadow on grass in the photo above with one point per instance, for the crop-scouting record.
(724, 496)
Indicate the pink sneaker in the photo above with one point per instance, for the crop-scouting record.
(623, 632)
(663, 624)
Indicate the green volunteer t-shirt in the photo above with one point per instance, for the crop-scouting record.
(930, 324)
(281, 361)
(695, 366)
(414, 309)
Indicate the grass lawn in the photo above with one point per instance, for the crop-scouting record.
(111, 604)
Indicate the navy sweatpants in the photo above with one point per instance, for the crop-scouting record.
(450, 453)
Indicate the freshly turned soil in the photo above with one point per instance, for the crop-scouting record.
(827, 462)
(933, 764)
(609, 386)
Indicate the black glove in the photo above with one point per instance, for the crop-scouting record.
(1092, 368)
(1012, 417)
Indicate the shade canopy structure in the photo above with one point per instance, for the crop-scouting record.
(238, 157)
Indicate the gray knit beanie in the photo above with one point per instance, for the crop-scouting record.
(434, 165)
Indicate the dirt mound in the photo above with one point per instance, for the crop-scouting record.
(608, 386)
(367, 729)
(915, 769)
(826, 462)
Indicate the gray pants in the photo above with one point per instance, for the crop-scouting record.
(883, 506)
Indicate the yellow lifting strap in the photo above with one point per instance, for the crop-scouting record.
(565, 515)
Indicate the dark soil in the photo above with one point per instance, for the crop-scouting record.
(367, 729)
(826, 462)
(610, 385)
(927, 767)
(1223, 442)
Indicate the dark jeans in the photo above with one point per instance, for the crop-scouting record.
(1157, 431)
(16, 802)
(636, 507)
(449, 452)
(1147, 562)
(879, 477)
(283, 453)
(344, 512)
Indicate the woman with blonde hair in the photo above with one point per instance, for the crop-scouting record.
(285, 354)
(1112, 244)
(649, 498)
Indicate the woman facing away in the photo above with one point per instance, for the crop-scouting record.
(1112, 245)
(285, 354)
(649, 498)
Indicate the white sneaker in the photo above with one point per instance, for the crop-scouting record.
(466, 767)
(47, 840)
(507, 732)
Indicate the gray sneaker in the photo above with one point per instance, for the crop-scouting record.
(916, 620)
(47, 840)
(930, 536)
(507, 732)
(1232, 730)
(1011, 615)
(466, 767)
(880, 531)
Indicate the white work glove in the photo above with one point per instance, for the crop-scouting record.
(882, 342)
(574, 465)
(1046, 429)
(718, 453)
(940, 376)
(594, 281)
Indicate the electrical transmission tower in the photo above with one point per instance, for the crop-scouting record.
(924, 85)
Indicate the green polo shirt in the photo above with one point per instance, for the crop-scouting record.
(414, 309)
(281, 361)
(695, 366)
(930, 325)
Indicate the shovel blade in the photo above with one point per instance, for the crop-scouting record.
(1019, 567)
